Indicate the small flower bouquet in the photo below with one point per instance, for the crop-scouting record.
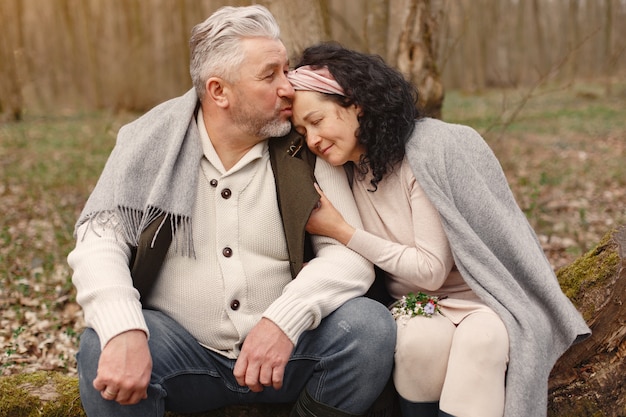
(412, 305)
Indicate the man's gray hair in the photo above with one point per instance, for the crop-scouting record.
(215, 44)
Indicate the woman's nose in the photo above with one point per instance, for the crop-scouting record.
(312, 139)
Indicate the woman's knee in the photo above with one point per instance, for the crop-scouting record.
(484, 338)
(420, 339)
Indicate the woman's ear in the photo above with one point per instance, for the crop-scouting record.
(217, 90)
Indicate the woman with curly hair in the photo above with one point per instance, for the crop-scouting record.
(481, 318)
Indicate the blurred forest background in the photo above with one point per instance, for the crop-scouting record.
(544, 81)
(57, 56)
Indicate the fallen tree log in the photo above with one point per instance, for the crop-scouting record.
(588, 380)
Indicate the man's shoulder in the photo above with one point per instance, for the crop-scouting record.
(177, 109)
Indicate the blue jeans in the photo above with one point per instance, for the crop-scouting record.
(344, 363)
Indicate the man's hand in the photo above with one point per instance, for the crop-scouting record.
(124, 368)
(263, 357)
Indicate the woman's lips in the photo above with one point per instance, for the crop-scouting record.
(323, 151)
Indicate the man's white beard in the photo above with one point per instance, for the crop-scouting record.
(275, 128)
(254, 124)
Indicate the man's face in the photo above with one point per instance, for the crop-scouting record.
(261, 105)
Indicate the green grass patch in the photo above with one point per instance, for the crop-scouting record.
(580, 108)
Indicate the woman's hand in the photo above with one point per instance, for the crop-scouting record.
(326, 220)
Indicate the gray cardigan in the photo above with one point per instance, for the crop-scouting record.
(498, 254)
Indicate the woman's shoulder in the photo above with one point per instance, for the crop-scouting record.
(433, 134)
(429, 126)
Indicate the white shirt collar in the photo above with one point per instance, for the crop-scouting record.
(210, 154)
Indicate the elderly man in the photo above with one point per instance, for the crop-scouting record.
(199, 285)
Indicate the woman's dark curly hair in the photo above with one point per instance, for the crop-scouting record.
(388, 102)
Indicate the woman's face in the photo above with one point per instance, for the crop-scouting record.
(329, 129)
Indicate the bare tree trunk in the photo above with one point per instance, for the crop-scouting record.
(520, 45)
(542, 59)
(300, 21)
(417, 55)
(11, 53)
(85, 19)
(375, 26)
(489, 64)
(325, 10)
(574, 37)
(608, 45)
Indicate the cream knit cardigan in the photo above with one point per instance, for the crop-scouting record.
(154, 169)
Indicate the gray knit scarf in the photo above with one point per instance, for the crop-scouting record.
(498, 255)
(152, 170)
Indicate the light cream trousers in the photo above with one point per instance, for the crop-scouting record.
(458, 358)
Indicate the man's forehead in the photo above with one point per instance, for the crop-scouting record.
(263, 52)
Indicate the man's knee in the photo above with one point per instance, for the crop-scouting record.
(88, 353)
(371, 323)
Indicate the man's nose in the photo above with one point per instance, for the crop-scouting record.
(286, 89)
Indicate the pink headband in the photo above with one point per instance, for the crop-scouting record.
(309, 79)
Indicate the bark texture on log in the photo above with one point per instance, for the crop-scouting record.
(589, 379)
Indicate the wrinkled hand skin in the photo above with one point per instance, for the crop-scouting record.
(263, 357)
(124, 368)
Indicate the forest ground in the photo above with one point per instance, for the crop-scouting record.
(562, 147)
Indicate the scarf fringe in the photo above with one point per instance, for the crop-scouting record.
(130, 223)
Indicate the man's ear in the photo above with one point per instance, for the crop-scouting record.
(217, 90)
